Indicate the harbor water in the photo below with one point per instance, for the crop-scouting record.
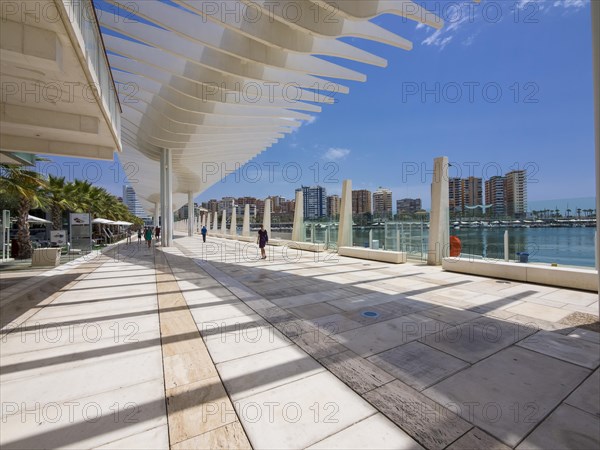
(565, 246)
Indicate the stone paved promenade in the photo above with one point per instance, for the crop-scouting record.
(205, 346)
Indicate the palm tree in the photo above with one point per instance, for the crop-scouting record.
(27, 187)
(60, 198)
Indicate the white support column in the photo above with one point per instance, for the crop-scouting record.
(439, 229)
(167, 229)
(215, 226)
(506, 247)
(246, 225)
(596, 60)
(345, 225)
(156, 213)
(267, 217)
(191, 215)
(163, 194)
(233, 228)
(298, 230)
(224, 222)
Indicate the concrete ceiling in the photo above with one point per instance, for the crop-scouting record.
(220, 82)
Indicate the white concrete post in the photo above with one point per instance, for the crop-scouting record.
(298, 230)
(224, 222)
(439, 229)
(596, 61)
(246, 225)
(267, 217)
(215, 225)
(167, 232)
(506, 248)
(233, 229)
(345, 225)
(191, 215)
(156, 213)
(163, 193)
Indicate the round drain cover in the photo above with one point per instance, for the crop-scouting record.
(370, 314)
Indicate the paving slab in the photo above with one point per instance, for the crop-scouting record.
(334, 324)
(453, 316)
(506, 394)
(417, 364)
(301, 413)
(237, 337)
(358, 373)
(258, 373)
(587, 335)
(318, 345)
(566, 428)
(314, 310)
(566, 348)
(587, 396)
(371, 339)
(543, 312)
(228, 436)
(477, 439)
(477, 339)
(572, 297)
(196, 408)
(85, 421)
(375, 432)
(432, 425)
(155, 438)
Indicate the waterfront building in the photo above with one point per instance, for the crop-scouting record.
(455, 195)
(472, 188)
(361, 202)
(516, 193)
(133, 204)
(315, 201)
(333, 205)
(495, 195)
(213, 205)
(408, 206)
(382, 202)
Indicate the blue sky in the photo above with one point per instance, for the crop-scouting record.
(509, 85)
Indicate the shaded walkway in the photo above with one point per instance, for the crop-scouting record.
(146, 339)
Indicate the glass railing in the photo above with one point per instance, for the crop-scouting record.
(550, 245)
(82, 16)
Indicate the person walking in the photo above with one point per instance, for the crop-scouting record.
(204, 231)
(129, 235)
(262, 240)
(157, 233)
(139, 235)
(148, 236)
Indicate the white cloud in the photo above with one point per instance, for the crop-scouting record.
(465, 14)
(546, 5)
(310, 121)
(438, 39)
(335, 153)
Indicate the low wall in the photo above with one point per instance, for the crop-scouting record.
(568, 277)
(373, 255)
(44, 257)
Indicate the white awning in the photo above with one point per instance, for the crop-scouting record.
(34, 219)
(103, 221)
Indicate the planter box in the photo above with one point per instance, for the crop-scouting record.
(45, 257)
(373, 255)
(568, 277)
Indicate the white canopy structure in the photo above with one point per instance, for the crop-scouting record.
(34, 219)
(207, 86)
(101, 221)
